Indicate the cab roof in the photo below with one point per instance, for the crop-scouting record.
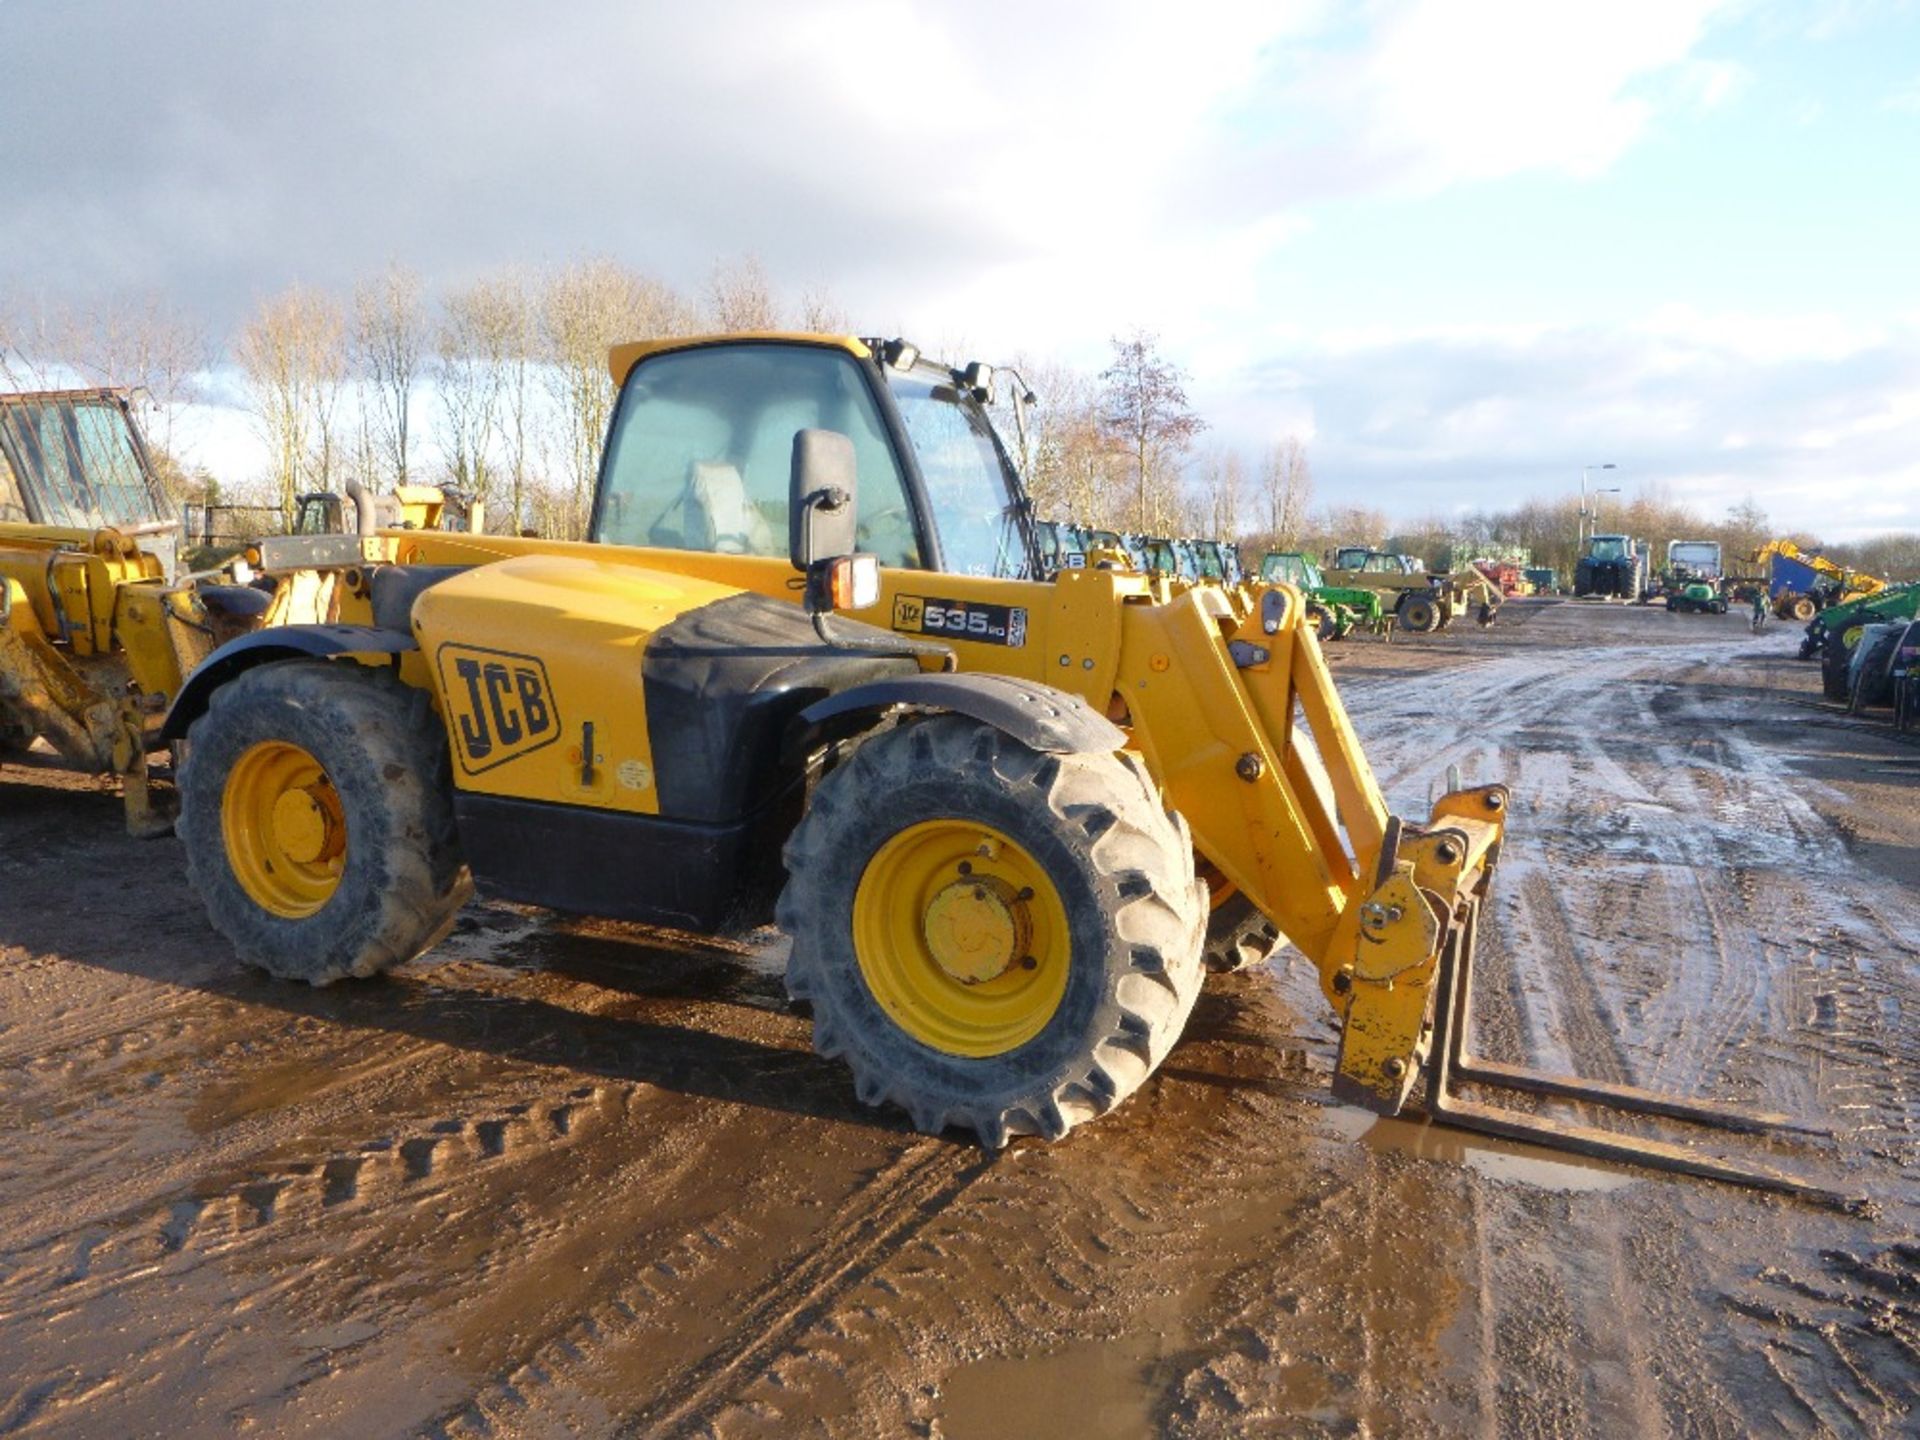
(622, 358)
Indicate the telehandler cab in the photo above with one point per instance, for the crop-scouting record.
(1002, 806)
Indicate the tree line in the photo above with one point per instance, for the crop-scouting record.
(498, 388)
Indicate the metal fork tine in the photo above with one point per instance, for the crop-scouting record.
(1630, 1097)
(1632, 1150)
(1448, 1062)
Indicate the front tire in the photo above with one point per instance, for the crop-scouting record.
(316, 805)
(1418, 614)
(1834, 660)
(990, 936)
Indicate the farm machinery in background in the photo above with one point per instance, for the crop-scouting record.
(1064, 545)
(405, 507)
(100, 624)
(1834, 635)
(1612, 567)
(1694, 579)
(1509, 577)
(1420, 600)
(1800, 583)
(98, 627)
(1334, 611)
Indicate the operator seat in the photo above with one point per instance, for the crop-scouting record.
(721, 518)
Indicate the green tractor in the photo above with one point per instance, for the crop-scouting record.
(1833, 633)
(1334, 609)
(1693, 579)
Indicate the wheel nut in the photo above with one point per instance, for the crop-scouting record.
(1027, 962)
(966, 867)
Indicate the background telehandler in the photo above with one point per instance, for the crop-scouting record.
(97, 630)
(1001, 806)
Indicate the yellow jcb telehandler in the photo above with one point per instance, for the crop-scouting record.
(992, 816)
(97, 629)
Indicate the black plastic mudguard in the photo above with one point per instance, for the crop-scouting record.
(261, 647)
(1036, 715)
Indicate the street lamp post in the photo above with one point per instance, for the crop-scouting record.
(1581, 529)
(1597, 493)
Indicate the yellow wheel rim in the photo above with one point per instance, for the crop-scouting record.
(961, 937)
(285, 833)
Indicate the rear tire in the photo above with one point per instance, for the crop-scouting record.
(1238, 936)
(1120, 867)
(1803, 609)
(383, 766)
(1418, 614)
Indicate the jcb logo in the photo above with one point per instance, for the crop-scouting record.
(499, 705)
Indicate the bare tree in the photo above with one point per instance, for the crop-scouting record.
(1747, 528)
(1069, 459)
(23, 347)
(152, 348)
(584, 310)
(293, 355)
(1145, 411)
(1347, 525)
(821, 313)
(1286, 492)
(468, 383)
(513, 341)
(739, 296)
(1223, 485)
(389, 346)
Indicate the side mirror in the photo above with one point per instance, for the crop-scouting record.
(820, 498)
(821, 525)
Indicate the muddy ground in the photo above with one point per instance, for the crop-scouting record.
(560, 1178)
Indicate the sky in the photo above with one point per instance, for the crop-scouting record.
(1462, 249)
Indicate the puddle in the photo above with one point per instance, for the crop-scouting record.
(1091, 1388)
(1495, 1159)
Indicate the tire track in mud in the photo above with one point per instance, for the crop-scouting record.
(214, 1220)
(1840, 1339)
(932, 1178)
(539, 1393)
(225, 1083)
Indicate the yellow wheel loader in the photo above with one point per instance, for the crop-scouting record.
(96, 629)
(989, 813)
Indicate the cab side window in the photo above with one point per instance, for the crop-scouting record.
(702, 450)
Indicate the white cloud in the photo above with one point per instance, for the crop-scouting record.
(1820, 421)
(1447, 93)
